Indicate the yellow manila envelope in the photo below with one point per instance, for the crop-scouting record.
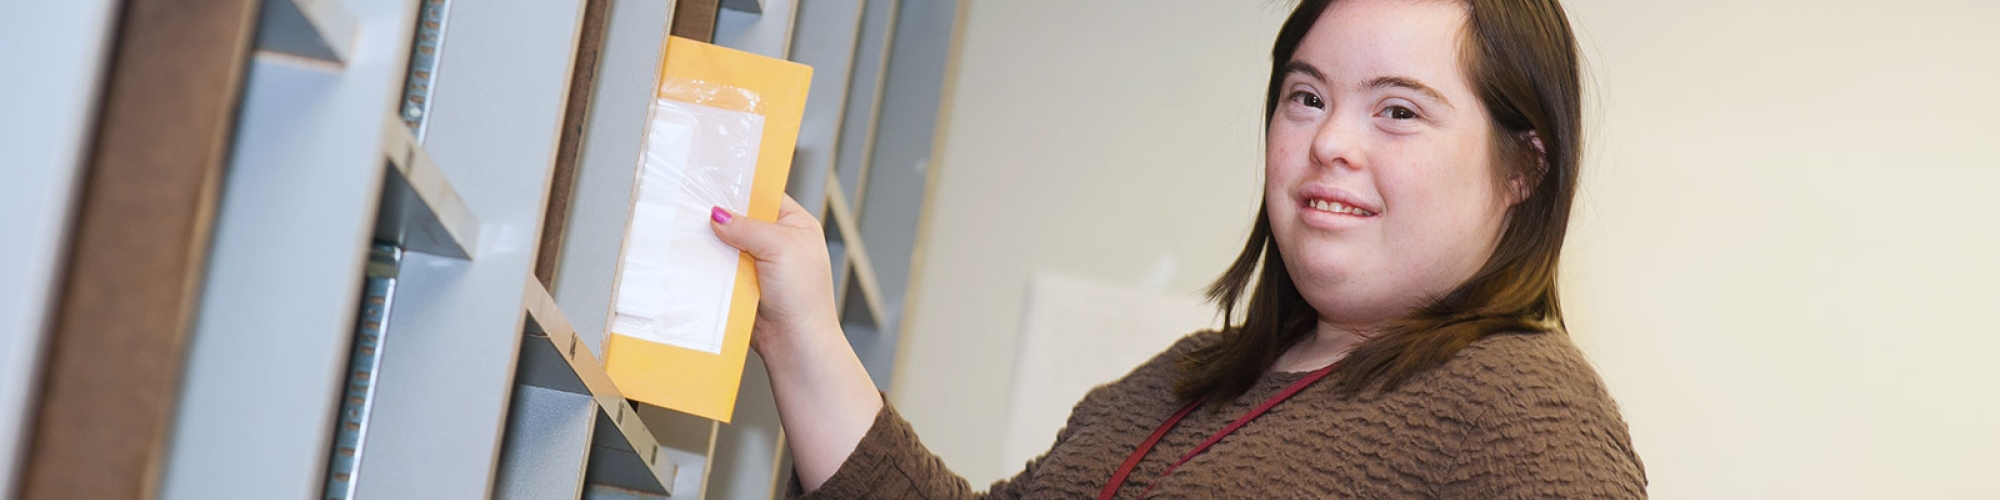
(720, 132)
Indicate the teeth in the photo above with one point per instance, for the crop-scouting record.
(1338, 207)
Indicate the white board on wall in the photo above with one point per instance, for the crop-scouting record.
(1077, 334)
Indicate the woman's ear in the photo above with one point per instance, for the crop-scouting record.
(1522, 183)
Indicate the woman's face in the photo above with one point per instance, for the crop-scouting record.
(1379, 173)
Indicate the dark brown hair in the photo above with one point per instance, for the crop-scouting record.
(1522, 61)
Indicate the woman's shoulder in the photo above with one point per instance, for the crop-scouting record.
(1535, 414)
(1526, 371)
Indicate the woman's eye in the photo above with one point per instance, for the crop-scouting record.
(1399, 113)
(1307, 99)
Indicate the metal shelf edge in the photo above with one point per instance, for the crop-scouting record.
(438, 222)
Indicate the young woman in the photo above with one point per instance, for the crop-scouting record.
(1401, 336)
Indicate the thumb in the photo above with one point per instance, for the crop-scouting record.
(760, 238)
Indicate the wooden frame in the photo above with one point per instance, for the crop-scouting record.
(146, 209)
(695, 19)
(569, 148)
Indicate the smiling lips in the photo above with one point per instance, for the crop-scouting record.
(1337, 207)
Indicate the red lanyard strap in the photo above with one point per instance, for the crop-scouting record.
(1125, 470)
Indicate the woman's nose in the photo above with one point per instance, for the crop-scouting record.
(1336, 144)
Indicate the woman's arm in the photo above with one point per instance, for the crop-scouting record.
(845, 442)
(826, 401)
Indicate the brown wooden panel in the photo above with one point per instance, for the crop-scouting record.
(139, 247)
(695, 19)
(576, 117)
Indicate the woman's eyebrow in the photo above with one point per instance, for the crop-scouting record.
(1408, 83)
(1301, 67)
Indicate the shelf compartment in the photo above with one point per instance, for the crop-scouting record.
(766, 32)
(553, 357)
(315, 29)
(547, 444)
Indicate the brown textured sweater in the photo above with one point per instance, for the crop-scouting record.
(1511, 416)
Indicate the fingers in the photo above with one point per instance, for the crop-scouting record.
(763, 240)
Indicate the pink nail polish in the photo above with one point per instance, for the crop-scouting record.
(721, 216)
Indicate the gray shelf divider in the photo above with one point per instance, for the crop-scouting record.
(767, 33)
(447, 374)
(864, 95)
(542, 424)
(824, 37)
(601, 206)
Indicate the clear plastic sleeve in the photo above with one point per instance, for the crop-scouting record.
(700, 151)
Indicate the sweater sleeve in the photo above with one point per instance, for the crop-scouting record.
(891, 464)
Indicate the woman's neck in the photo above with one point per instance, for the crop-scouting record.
(1328, 344)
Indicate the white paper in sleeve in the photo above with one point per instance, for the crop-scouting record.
(678, 278)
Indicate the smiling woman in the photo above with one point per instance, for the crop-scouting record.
(1421, 160)
(1462, 207)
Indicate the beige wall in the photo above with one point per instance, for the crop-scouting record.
(1783, 263)
(1787, 263)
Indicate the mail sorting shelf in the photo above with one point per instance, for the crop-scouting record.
(382, 207)
(290, 392)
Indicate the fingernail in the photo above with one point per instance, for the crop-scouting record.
(721, 216)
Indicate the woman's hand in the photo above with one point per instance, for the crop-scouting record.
(793, 274)
(825, 399)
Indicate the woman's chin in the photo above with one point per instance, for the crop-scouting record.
(1352, 310)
